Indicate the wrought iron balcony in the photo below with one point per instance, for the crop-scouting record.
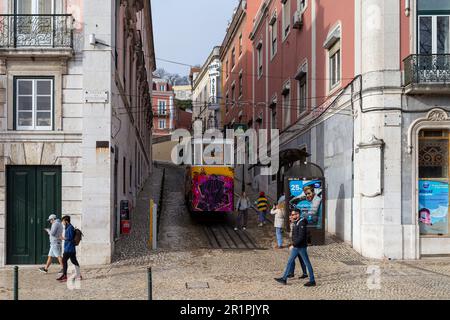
(427, 73)
(36, 31)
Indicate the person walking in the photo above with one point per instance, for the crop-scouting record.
(302, 264)
(243, 204)
(262, 204)
(69, 250)
(278, 211)
(299, 246)
(54, 233)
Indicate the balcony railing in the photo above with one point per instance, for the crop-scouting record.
(427, 69)
(36, 31)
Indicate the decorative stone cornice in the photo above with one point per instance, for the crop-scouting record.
(436, 118)
(437, 115)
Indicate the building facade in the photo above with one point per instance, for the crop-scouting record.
(75, 120)
(236, 57)
(183, 92)
(206, 91)
(163, 107)
(363, 88)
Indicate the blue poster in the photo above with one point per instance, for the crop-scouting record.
(433, 207)
(306, 196)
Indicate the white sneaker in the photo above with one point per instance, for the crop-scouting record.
(244, 228)
(260, 225)
(235, 229)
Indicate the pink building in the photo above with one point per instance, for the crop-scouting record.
(236, 57)
(163, 107)
(362, 87)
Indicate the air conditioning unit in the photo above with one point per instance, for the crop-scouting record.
(298, 20)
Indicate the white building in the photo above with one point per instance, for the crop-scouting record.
(206, 93)
(183, 92)
(75, 120)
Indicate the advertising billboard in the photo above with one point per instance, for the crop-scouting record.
(307, 196)
(433, 207)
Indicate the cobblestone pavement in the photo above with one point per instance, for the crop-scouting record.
(181, 263)
(134, 245)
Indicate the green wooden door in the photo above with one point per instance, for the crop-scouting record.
(33, 193)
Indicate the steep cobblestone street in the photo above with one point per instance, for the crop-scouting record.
(184, 268)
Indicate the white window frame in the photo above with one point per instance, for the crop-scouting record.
(273, 117)
(227, 64)
(303, 81)
(160, 103)
(301, 8)
(34, 110)
(274, 37)
(241, 45)
(241, 84)
(336, 74)
(162, 122)
(233, 94)
(233, 58)
(259, 58)
(434, 32)
(56, 4)
(227, 101)
(286, 18)
(286, 106)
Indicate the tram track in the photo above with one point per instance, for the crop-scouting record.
(221, 236)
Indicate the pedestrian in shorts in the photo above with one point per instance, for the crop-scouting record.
(54, 233)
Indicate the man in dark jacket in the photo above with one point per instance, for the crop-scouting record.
(299, 247)
(69, 250)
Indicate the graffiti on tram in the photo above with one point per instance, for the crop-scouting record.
(212, 189)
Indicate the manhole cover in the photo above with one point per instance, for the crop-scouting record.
(353, 263)
(197, 285)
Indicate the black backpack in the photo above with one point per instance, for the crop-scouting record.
(78, 235)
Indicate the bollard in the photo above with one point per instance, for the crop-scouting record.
(149, 278)
(16, 283)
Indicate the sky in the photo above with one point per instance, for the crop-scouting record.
(187, 30)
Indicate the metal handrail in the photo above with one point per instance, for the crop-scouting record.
(427, 68)
(36, 30)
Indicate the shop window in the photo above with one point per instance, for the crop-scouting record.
(433, 182)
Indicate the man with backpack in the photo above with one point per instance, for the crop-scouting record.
(262, 204)
(71, 239)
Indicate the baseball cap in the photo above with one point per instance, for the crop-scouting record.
(51, 217)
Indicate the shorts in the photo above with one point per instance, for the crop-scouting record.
(55, 251)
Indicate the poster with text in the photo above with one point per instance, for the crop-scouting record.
(306, 196)
(433, 207)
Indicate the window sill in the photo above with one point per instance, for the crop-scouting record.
(335, 88)
(303, 114)
(37, 52)
(286, 36)
(40, 136)
(272, 56)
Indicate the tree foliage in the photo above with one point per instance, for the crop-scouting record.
(173, 79)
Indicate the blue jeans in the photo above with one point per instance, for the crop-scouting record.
(302, 264)
(291, 261)
(261, 216)
(279, 236)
